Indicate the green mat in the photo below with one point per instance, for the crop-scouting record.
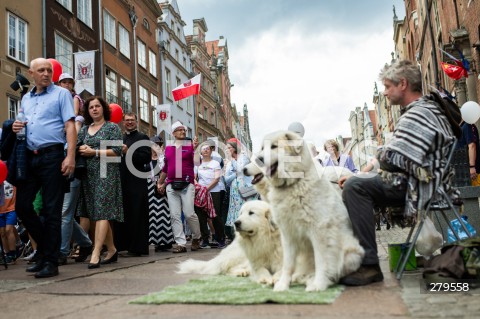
(236, 291)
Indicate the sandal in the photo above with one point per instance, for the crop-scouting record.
(179, 249)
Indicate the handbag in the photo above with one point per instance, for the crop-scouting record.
(80, 163)
(246, 191)
(179, 185)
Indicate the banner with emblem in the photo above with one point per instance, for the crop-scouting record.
(84, 65)
(164, 118)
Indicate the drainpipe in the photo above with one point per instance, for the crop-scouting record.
(44, 31)
(133, 19)
(100, 49)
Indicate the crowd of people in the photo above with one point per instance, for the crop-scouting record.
(91, 191)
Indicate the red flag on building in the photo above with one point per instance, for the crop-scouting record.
(188, 88)
(455, 72)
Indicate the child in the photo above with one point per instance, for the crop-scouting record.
(8, 220)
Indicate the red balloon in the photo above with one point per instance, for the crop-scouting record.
(3, 171)
(116, 113)
(57, 69)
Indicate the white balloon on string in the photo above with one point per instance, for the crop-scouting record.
(470, 112)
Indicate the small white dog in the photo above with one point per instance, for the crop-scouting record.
(309, 212)
(255, 251)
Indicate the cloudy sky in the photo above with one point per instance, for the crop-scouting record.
(311, 61)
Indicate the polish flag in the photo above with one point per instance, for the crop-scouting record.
(188, 88)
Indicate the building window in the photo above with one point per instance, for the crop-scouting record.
(168, 84)
(109, 33)
(64, 53)
(178, 32)
(84, 11)
(184, 63)
(154, 103)
(189, 107)
(146, 25)
(66, 3)
(17, 38)
(126, 95)
(142, 59)
(111, 86)
(124, 41)
(12, 108)
(167, 46)
(143, 95)
(152, 63)
(177, 55)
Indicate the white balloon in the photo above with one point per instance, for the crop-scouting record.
(297, 127)
(470, 112)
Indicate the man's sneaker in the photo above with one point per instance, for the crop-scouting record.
(205, 245)
(33, 257)
(365, 275)
(214, 243)
(195, 244)
(221, 245)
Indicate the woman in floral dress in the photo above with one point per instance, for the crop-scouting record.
(234, 180)
(101, 194)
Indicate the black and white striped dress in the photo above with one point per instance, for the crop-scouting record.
(159, 228)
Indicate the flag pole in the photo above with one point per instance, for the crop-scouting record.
(195, 123)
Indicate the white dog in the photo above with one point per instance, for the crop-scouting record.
(255, 251)
(309, 212)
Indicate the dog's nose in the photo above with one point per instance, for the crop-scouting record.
(245, 171)
(238, 224)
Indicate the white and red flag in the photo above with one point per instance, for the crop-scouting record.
(188, 88)
(84, 71)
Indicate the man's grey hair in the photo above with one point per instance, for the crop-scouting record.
(403, 69)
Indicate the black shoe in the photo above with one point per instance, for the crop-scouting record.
(163, 247)
(83, 253)
(49, 270)
(62, 260)
(110, 260)
(365, 275)
(35, 268)
(93, 266)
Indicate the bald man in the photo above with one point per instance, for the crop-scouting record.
(49, 125)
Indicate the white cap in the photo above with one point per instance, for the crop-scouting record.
(65, 76)
(297, 127)
(177, 125)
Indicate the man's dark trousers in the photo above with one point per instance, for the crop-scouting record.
(43, 172)
(361, 194)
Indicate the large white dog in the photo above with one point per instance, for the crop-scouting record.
(256, 250)
(309, 212)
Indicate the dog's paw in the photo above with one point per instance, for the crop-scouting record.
(281, 286)
(265, 280)
(317, 286)
(241, 272)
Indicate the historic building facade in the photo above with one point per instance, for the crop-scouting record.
(21, 44)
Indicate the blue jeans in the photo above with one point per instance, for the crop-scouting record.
(70, 227)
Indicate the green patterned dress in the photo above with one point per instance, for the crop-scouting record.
(101, 198)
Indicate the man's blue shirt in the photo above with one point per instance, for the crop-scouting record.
(46, 115)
